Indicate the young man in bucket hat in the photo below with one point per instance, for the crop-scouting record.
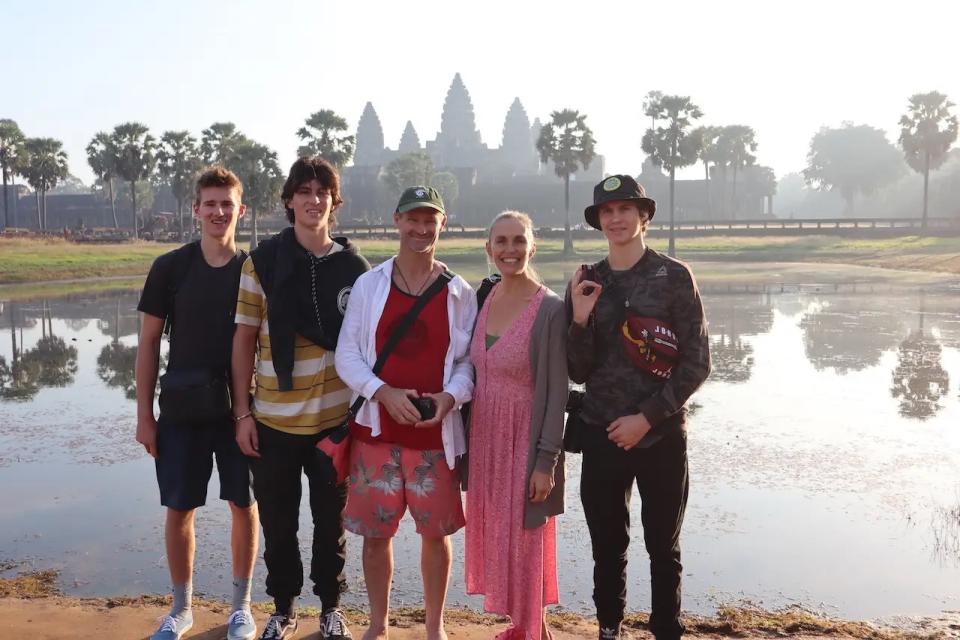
(638, 340)
(409, 432)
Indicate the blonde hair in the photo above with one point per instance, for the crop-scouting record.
(527, 223)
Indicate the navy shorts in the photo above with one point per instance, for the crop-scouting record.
(185, 462)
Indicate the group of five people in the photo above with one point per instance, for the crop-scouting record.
(273, 353)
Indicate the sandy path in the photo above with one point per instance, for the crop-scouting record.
(58, 618)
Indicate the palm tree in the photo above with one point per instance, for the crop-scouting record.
(738, 143)
(136, 157)
(569, 143)
(102, 158)
(668, 146)
(11, 146)
(927, 131)
(178, 161)
(650, 104)
(45, 166)
(258, 168)
(320, 136)
(218, 143)
(703, 140)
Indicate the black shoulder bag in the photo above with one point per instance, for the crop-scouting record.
(333, 448)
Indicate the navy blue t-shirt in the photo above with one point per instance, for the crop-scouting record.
(201, 336)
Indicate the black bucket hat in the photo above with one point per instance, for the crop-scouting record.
(618, 187)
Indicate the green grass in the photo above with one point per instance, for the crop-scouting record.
(44, 260)
(33, 261)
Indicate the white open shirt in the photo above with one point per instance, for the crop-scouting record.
(357, 351)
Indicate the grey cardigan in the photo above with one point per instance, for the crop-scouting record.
(548, 360)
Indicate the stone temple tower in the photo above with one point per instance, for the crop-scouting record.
(458, 144)
(409, 141)
(534, 136)
(370, 149)
(518, 150)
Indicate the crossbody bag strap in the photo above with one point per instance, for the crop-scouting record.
(402, 327)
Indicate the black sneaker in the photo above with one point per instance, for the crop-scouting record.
(333, 626)
(279, 627)
(610, 633)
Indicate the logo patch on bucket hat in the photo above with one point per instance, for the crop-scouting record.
(611, 184)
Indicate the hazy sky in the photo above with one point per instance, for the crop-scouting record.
(74, 68)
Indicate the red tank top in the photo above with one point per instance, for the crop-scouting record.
(415, 363)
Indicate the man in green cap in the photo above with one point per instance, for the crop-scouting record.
(408, 434)
(638, 340)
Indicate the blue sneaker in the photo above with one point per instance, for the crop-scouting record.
(173, 627)
(240, 625)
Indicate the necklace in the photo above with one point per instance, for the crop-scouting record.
(313, 282)
(406, 284)
(625, 275)
(618, 279)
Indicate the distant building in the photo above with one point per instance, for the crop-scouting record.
(72, 211)
(490, 180)
(13, 195)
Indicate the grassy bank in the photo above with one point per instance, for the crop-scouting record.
(37, 594)
(50, 260)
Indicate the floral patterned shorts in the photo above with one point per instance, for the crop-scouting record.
(387, 478)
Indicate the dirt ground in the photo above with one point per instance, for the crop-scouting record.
(57, 617)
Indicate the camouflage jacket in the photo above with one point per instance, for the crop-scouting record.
(657, 287)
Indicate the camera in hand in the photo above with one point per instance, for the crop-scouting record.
(587, 272)
(426, 407)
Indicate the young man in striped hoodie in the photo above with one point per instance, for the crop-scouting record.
(293, 293)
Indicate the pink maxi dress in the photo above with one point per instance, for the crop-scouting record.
(514, 568)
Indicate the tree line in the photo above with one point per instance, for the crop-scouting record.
(852, 159)
(671, 142)
(857, 160)
(132, 156)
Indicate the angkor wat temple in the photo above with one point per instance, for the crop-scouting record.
(509, 176)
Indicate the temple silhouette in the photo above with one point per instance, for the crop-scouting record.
(489, 179)
(511, 176)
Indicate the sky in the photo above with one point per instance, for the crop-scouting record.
(785, 68)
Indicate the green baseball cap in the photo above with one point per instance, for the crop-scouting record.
(418, 198)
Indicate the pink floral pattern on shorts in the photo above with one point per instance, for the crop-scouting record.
(386, 478)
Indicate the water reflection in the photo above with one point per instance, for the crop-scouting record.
(849, 334)
(116, 367)
(57, 362)
(919, 381)
(116, 364)
(732, 359)
(731, 318)
(50, 363)
(828, 410)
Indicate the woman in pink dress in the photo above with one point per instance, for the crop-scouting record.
(516, 432)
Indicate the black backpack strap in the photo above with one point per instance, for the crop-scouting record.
(183, 260)
(402, 327)
(484, 290)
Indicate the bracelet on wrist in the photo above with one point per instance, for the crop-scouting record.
(241, 417)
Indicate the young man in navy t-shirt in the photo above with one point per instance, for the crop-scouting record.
(193, 289)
